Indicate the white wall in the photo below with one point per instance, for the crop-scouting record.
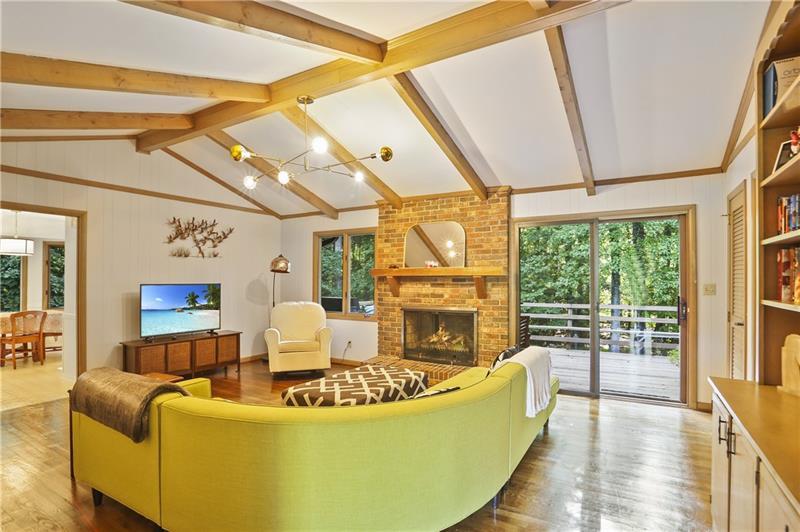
(125, 241)
(297, 238)
(706, 192)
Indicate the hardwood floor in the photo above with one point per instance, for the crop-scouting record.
(603, 464)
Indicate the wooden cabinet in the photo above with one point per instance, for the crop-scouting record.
(743, 467)
(183, 355)
(755, 477)
(720, 466)
(775, 512)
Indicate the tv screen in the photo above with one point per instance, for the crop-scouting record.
(178, 308)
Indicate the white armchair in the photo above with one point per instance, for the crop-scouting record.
(298, 339)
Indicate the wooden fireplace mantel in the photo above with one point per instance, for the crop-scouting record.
(478, 274)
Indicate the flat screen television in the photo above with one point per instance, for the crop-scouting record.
(167, 309)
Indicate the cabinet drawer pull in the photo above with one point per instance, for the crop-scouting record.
(720, 439)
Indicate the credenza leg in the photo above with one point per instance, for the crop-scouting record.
(97, 497)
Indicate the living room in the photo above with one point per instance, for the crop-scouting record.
(318, 244)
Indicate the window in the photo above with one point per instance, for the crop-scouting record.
(343, 284)
(13, 283)
(53, 283)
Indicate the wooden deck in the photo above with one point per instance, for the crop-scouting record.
(652, 377)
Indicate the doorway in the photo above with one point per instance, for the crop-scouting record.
(609, 296)
(39, 272)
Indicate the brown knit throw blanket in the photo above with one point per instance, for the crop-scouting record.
(118, 399)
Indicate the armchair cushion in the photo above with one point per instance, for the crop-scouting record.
(294, 346)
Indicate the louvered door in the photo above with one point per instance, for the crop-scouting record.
(737, 284)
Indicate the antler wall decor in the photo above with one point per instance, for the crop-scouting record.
(203, 234)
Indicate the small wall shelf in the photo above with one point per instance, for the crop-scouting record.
(478, 274)
(777, 304)
(792, 237)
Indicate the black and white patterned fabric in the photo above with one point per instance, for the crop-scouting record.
(365, 385)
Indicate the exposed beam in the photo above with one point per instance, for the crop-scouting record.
(340, 153)
(558, 55)
(482, 26)
(218, 180)
(122, 188)
(41, 119)
(62, 138)
(423, 236)
(32, 70)
(404, 84)
(273, 23)
(738, 121)
(658, 177)
(226, 141)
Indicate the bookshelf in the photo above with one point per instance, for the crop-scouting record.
(776, 319)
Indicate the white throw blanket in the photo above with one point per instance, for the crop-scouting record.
(536, 361)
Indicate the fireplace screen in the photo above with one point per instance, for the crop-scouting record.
(442, 336)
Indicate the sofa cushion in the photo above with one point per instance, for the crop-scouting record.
(296, 346)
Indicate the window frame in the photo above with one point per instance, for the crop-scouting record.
(346, 234)
(46, 247)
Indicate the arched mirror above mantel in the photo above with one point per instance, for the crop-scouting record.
(436, 244)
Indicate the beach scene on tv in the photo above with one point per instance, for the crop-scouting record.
(179, 308)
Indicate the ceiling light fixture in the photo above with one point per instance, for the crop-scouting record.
(318, 145)
(16, 246)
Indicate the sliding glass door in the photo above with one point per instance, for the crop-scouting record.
(607, 298)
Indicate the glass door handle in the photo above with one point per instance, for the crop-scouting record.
(683, 309)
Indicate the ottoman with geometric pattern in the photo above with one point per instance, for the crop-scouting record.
(364, 385)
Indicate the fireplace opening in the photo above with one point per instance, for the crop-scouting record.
(444, 336)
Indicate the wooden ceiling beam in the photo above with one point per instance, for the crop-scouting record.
(566, 85)
(482, 26)
(404, 84)
(62, 138)
(218, 180)
(42, 119)
(341, 154)
(33, 70)
(226, 141)
(270, 22)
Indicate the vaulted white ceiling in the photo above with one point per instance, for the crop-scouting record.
(658, 85)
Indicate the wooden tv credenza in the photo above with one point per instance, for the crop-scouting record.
(183, 355)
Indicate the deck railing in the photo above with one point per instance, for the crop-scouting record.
(634, 328)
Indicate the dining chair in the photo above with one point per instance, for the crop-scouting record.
(27, 327)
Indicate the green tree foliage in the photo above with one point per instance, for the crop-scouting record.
(362, 260)
(10, 274)
(331, 266)
(192, 299)
(56, 274)
(212, 296)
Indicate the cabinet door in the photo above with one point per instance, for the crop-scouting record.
(151, 359)
(227, 348)
(775, 514)
(720, 466)
(205, 352)
(179, 357)
(744, 464)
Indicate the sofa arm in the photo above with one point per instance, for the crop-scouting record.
(325, 338)
(273, 338)
(197, 387)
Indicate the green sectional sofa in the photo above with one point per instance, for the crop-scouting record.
(420, 464)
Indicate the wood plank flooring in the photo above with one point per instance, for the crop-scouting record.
(603, 464)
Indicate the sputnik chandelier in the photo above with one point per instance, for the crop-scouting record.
(300, 162)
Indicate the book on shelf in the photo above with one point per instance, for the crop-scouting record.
(789, 275)
(788, 213)
(778, 77)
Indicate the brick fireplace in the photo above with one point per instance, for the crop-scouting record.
(486, 224)
(442, 336)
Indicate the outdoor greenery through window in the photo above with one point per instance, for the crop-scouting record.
(54, 276)
(11, 283)
(344, 283)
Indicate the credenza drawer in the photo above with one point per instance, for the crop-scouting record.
(228, 348)
(151, 359)
(179, 357)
